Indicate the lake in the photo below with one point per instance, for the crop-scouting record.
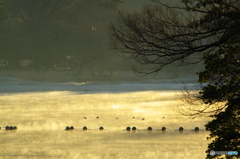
(41, 112)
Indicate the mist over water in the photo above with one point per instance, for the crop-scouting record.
(42, 116)
(64, 41)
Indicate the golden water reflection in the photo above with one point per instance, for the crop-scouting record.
(41, 118)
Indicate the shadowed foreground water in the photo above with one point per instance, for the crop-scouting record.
(41, 118)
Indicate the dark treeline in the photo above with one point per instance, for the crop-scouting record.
(68, 35)
(58, 34)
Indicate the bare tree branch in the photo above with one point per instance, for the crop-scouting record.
(160, 35)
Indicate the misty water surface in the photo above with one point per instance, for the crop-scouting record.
(41, 117)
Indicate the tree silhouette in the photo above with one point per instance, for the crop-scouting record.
(222, 75)
(160, 35)
(193, 31)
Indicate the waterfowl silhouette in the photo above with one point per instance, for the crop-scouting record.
(11, 128)
(196, 129)
(163, 128)
(128, 128)
(149, 128)
(69, 128)
(181, 129)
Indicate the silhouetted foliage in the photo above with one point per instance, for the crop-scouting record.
(222, 75)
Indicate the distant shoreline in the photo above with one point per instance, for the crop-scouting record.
(68, 76)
